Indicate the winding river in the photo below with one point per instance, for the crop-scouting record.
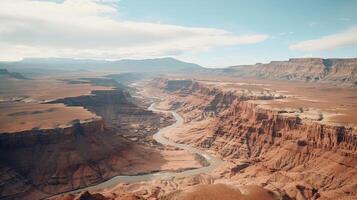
(213, 161)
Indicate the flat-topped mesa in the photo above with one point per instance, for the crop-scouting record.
(339, 71)
(30, 138)
(116, 108)
(303, 60)
(327, 62)
(42, 162)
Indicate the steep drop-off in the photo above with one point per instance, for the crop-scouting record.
(41, 162)
(300, 160)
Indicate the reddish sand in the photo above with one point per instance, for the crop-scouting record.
(21, 116)
(22, 108)
(224, 192)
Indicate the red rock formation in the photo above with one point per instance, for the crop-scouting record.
(304, 69)
(304, 159)
(40, 163)
(222, 192)
(269, 128)
(84, 196)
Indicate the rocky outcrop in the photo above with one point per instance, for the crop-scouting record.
(84, 196)
(303, 160)
(33, 137)
(340, 71)
(55, 159)
(324, 156)
(119, 112)
(222, 192)
(257, 130)
(201, 100)
(42, 162)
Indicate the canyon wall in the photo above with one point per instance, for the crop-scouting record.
(302, 160)
(118, 111)
(314, 157)
(39, 163)
(339, 71)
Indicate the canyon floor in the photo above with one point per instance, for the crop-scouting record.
(276, 139)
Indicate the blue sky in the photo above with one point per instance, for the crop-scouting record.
(207, 32)
(285, 21)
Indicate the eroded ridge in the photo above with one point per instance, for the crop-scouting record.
(285, 153)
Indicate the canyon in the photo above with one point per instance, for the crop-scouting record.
(283, 130)
(287, 156)
(42, 162)
(178, 100)
(298, 159)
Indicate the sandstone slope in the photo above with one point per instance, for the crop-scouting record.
(298, 159)
(39, 163)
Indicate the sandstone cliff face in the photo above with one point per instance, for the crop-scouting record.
(200, 100)
(320, 157)
(117, 110)
(39, 163)
(303, 69)
(53, 160)
(194, 98)
(302, 160)
(258, 129)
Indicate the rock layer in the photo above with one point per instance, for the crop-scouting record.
(302, 160)
(305, 69)
(41, 162)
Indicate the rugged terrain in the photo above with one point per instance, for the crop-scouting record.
(284, 130)
(296, 158)
(338, 71)
(40, 162)
(269, 151)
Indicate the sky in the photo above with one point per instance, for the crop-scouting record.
(212, 33)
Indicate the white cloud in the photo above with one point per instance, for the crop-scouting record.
(93, 29)
(329, 42)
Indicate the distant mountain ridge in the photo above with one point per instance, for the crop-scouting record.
(157, 65)
(303, 69)
(333, 70)
(7, 74)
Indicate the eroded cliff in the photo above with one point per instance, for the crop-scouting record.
(39, 163)
(299, 159)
